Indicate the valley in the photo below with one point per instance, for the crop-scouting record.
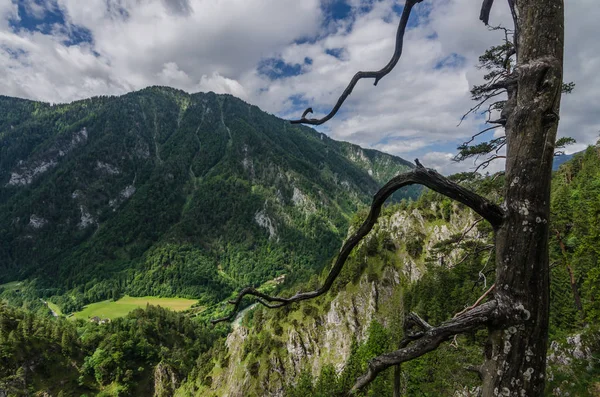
(120, 308)
(163, 193)
(115, 233)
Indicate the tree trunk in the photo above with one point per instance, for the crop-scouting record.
(397, 380)
(516, 350)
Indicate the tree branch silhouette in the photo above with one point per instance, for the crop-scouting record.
(377, 75)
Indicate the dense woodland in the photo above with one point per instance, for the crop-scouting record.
(163, 193)
(156, 350)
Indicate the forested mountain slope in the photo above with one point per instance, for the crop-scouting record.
(159, 192)
(410, 262)
(431, 257)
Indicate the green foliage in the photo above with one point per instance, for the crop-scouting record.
(575, 216)
(89, 358)
(304, 386)
(163, 193)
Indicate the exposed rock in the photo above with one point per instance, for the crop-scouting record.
(86, 218)
(123, 195)
(247, 162)
(127, 192)
(565, 357)
(303, 201)
(105, 167)
(263, 220)
(165, 380)
(26, 174)
(37, 222)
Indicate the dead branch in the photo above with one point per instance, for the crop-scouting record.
(480, 104)
(377, 75)
(466, 309)
(488, 247)
(430, 340)
(487, 162)
(467, 230)
(486, 8)
(481, 132)
(419, 175)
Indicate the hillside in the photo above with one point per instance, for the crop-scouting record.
(411, 262)
(159, 192)
(317, 348)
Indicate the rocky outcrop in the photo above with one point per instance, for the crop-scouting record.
(315, 337)
(26, 171)
(568, 358)
(165, 380)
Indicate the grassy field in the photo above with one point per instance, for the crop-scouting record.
(120, 308)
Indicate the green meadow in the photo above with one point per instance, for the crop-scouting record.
(120, 308)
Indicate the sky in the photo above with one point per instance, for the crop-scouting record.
(286, 55)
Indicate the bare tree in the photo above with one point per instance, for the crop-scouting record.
(516, 312)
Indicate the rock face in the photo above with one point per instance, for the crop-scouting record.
(165, 380)
(569, 357)
(26, 171)
(314, 339)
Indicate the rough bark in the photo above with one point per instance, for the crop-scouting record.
(516, 351)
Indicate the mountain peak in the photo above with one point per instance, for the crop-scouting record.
(177, 193)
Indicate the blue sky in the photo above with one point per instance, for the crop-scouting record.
(285, 55)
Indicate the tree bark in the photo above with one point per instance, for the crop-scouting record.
(518, 340)
(397, 381)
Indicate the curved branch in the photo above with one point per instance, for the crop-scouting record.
(430, 340)
(486, 8)
(377, 75)
(420, 175)
(487, 162)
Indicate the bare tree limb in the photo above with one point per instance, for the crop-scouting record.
(474, 305)
(481, 132)
(479, 104)
(486, 8)
(419, 175)
(430, 340)
(487, 162)
(488, 247)
(377, 75)
(467, 230)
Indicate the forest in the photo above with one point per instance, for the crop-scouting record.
(158, 351)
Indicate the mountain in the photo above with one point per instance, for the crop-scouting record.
(560, 160)
(431, 257)
(159, 192)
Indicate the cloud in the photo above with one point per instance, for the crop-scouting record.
(286, 55)
(222, 85)
(178, 7)
(443, 163)
(136, 44)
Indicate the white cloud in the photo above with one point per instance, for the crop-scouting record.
(201, 45)
(443, 163)
(8, 11)
(221, 85)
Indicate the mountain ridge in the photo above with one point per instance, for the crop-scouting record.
(162, 192)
